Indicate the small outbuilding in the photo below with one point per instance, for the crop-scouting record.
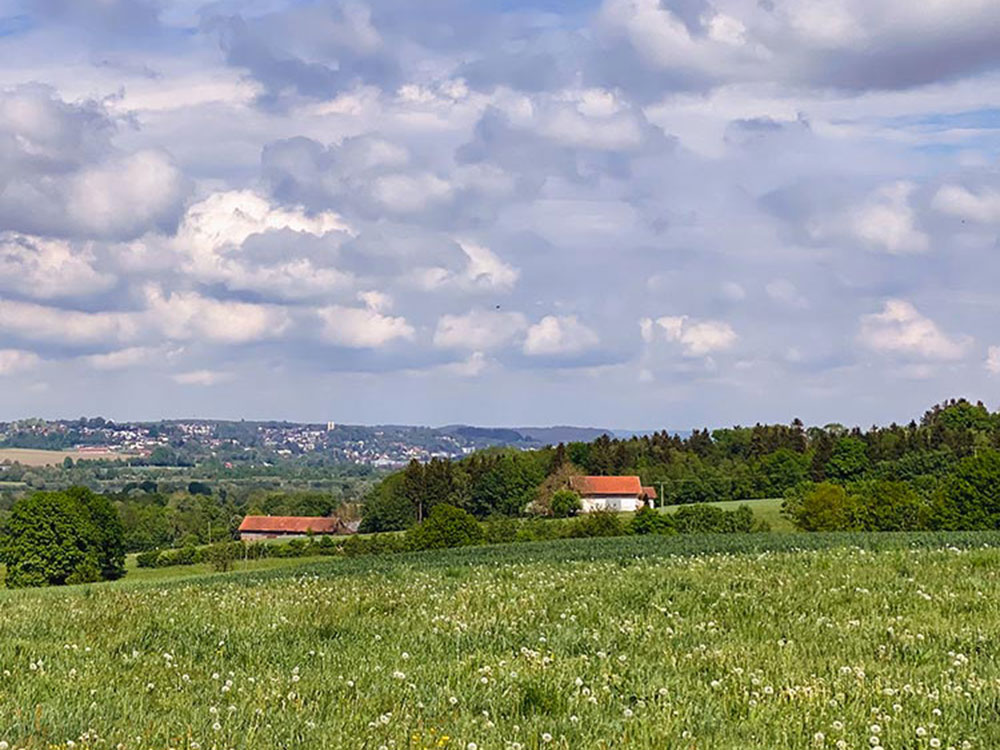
(649, 495)
(255, 528)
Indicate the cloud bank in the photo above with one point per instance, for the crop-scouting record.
(639, 213)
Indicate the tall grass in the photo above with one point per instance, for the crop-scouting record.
(731, 641)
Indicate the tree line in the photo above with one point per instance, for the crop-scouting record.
(736, 463)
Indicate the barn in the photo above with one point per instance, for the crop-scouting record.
(611, 493)
(255, 528)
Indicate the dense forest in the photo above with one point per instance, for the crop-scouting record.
(914, 467)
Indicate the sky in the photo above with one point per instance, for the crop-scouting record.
(634, 214)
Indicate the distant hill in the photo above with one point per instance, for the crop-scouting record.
(493, 434)
(562, 434)
(186, 442)
(533, 435)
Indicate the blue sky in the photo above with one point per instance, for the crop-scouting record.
(626, 213)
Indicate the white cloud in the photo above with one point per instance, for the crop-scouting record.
(484, 271)
(375, 300)
(697, 337)
(181, 92)
(471, 367)
(588, 118)
(67, 326)
(559, 335)
(653, 30)
(132, 356)
(48, 268)
(733, 292)
(17, 360)
(888, 222)
(785, 293)
(189, 315)
(480, 330)
(956, 200)
(900, 329)
(202, 377)
(403, 193)
(993, 360)
(358, 328)
(213, 231)
(126, 195)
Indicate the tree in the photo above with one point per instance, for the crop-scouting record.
(446, 526)
(780, 471)
(565, 503)
(387, 507)
(889, 506)
(413, 487)
(52, 538)
(970, 497)
(507, 486)
(848, 461)
(48, 539)
(162, 456)
(109, 531)
(822, 507)
(559, 458)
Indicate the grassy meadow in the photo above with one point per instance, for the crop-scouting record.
(722, 642)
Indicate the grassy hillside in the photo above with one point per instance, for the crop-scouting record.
(756, 641)
(768, 510)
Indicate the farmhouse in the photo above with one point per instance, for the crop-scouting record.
(611, 493)
(274, 527)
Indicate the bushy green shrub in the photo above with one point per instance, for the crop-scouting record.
(86, 572)
(710, 519)
(599, 523)
(565, 503)
(501, 530)
(888, 506)
(446, 526)
(355, 546)
(648, 521)
(538, 530)
(148, 559)
(221, 556)
(183, 556)
(821, 507)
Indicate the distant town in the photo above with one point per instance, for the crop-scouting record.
(188, 441)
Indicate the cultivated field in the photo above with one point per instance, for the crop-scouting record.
(717, 642)
(35, 457)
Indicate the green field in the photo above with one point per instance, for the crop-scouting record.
(731, 641)
(768, 510)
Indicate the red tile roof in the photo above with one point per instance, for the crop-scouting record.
(290, 524)
(607, 485)
(649, 492)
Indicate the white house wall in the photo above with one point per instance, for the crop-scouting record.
(616, 503)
